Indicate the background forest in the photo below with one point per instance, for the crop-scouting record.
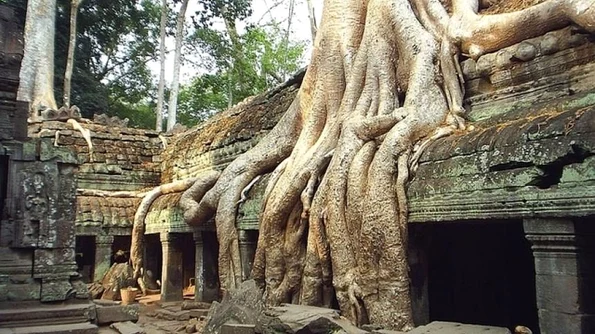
(227, 54)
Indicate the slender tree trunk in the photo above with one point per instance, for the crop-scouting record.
(161, 89)
(235, 78)
(312, 17)
(36, 84)
(74, 9)
(175, 84)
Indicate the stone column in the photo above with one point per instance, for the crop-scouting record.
(564, 275)
(171, 272)
(103, 256)
(199, 266)
(247, 243)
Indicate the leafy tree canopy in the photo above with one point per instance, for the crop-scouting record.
(267, 59)
(115, 41)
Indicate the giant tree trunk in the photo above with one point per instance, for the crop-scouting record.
(161, 88)
(175, 84)
(36, 84)
(74, 9)
(383, 82)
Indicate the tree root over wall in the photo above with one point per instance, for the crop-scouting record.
(384, 81)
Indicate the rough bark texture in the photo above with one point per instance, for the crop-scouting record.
(175, 83)
(37, 68)
(384, 82)
(74, 9)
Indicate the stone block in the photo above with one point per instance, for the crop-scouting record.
(182, 315)
(119, 313)
(440, 327)
(556, 322)
(558, 264)
(56, 289)
(50, 262)
(165, 314)
(565, 293)
(127, 327)
(197, 313)
(237, 329)
(191, 305)
(78, 328)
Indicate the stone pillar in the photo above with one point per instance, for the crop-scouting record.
(565, 278)
(103, 256)
(171, 272)
(199, 266)
(247, 243)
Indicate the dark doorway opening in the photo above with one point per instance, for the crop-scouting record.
(121, 248)
(85, 257)
(482, 273)
(153, 259)
(188, 262)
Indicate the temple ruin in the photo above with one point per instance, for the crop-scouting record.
(502, 218)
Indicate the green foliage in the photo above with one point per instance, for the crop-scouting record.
(200, 99)
(115, 41)
(266, 60)
(231, 10)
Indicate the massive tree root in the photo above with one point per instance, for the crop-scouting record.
(384, 82)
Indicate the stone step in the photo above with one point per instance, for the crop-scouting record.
(38, 314)
(79, 328)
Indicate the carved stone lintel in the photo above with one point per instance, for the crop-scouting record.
(104, 240)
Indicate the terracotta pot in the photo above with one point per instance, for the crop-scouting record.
(128, 295)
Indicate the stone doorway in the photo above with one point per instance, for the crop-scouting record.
(153, 256)
(481, 273)
(121, 249)
(85, 257)
(188, 260)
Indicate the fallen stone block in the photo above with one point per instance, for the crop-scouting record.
(289, 318)
(117, 313)
(242, 305)
(104, 302)
(182, 315)
(165, 314)
(441, 327)
(191, 305)
(127, 327)
(386, 331)
(237, 329)
(198, 313)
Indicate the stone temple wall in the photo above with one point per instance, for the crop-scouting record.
(213, 145)
(121, 159)
(37, 192)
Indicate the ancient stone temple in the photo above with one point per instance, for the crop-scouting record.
(502, 218)
(37, 196)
